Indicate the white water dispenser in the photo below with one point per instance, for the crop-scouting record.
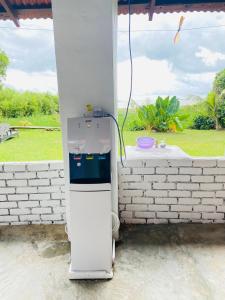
(89, 147)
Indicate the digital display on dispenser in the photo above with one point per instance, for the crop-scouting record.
(89, 168)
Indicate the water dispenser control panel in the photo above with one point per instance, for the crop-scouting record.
(89, 146)
(89, 135)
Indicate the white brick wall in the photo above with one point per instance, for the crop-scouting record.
(155, 191)
(172, 191)
(32, 193)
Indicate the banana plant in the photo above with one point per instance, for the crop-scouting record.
(167, 113)
(163, 116)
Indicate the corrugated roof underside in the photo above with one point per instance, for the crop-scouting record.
(29, 2)
(30, 9)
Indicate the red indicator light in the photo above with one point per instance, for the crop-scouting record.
(77, 158)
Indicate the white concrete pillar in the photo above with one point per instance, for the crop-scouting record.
(85, 42)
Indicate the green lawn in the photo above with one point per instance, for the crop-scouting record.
(33, 145)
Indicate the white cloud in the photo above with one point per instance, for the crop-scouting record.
(31, 28)
(200, 77)
(151, 77)
(209, 57)
(40, 82)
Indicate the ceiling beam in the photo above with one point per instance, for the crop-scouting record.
(151, 9)
(9, 10)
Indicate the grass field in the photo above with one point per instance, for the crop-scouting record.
(36, 120)
(32, 145)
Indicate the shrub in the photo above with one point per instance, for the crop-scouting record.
(15, 104)
(136, 125)
(221, 113)
(204, 123)
(188, 113)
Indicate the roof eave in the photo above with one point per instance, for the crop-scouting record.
(150, 7)
(145, 8)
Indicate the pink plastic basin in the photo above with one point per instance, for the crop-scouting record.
(145, 142)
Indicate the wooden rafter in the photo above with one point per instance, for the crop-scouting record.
(10, 12)
(151, 9)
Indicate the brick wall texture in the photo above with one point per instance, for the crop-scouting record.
(172, 191)
(32, 193)
(150, 192)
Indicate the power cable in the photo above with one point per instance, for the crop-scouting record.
(173, 30)
(123, 31)
(120, 139)
(131, 77)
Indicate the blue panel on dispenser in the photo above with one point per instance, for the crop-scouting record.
(90, 168)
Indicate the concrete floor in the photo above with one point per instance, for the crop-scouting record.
(152, 262)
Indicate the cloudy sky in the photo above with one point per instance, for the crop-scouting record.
(160, 67)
